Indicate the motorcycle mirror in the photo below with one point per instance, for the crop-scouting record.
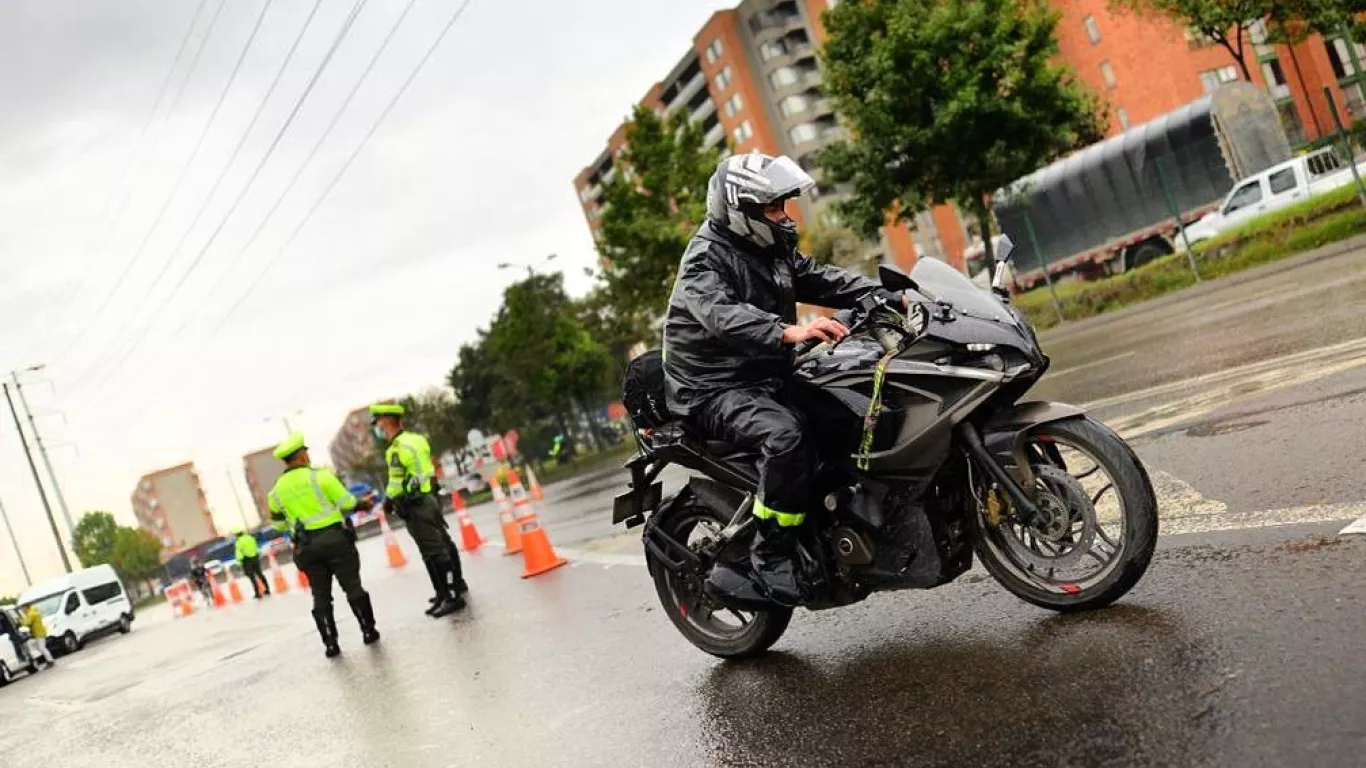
(893, 279)
(1004, 248)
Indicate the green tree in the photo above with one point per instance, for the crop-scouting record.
(947, 101)
(1294, 20)
(434, 413)
(829, 241)
(94, 538)
(136, 553)
(1226, 22)
(650, 210)
(537, 360)
(8, 599)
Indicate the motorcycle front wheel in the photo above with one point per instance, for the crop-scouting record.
(1097, 525)
(713, 628)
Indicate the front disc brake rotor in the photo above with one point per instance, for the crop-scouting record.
(1062, 503)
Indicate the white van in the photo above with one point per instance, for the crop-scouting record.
(79, 606)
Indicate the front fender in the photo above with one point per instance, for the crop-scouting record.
(1003, 434)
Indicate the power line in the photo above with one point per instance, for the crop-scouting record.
(128, 162)
(317, 145)
(222, 174)
(459, 11)
(184, 171)
(139, 337)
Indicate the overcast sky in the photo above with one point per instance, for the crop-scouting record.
(473, 167)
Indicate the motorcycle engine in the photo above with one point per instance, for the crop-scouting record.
(922, 543)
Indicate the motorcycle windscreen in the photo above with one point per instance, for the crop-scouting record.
(948, 284)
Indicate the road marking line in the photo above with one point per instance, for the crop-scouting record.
(1093, 364)
(1357, 526)
(1297, 358)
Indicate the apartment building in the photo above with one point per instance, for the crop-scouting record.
(1145, 66)
(353, 444)
(262, 469)
(751, 78)
(752, 81)
(170, 504)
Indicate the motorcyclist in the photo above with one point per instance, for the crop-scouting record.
(200, 578)
(729, 336)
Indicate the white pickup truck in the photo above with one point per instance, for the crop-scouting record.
(1279, 186)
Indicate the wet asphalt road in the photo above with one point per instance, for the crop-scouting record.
(1240, 648)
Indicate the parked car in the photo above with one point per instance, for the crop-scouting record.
(10, 664)
(1278, 187)
(80, 606)
(475, 483)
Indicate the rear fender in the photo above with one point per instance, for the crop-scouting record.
(1004, 433)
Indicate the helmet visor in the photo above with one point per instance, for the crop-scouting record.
(786, 178)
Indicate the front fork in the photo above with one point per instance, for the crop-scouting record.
(1025, 509)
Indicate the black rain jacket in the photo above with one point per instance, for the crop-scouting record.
(724, 327)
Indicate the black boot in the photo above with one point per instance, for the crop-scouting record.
(451, 601)
(774, 557)
(458, 572)
(434, 573)
(365, 616)
(327, 630)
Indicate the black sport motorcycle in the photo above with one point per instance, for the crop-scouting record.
(926, 455)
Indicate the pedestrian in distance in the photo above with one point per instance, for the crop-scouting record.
(37, 630)
(410, 495)
(249, 557)
(312, 504)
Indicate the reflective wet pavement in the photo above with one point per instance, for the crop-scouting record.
(1240, 648)
(1237, 650)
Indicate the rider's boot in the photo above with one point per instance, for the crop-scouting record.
(774, 557)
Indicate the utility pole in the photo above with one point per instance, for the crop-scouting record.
(28, 580)
(227, 468)
(42, 452)
(57, 536)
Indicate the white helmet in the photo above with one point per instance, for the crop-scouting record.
(744, 185)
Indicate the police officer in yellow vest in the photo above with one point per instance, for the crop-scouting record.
(312, 505)
(410, 495)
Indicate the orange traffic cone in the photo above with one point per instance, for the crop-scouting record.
(512, 538)
(396, 557)
(536, 549)
(218, 601)
(470, 539)
(234, 591)
(537, 492)
(277, 579)
(303, 577)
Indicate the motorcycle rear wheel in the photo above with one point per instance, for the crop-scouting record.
(715, 629)
(1025, 560)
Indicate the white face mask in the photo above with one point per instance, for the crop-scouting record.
(379, 432)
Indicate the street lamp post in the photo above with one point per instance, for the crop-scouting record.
(42, 494)
(28, 580)
(42, 451)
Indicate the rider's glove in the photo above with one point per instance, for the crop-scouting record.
(894, 300)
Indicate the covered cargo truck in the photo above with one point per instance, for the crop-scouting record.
(1103, 209)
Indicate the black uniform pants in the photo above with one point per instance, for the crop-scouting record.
(251, 568)
(760, 421)
(330, 553)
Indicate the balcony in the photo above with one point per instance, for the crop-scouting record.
(686, 93)
(715, 137)
(781, 17)
(706, 110)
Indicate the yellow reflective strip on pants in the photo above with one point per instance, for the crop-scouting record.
(785, 519)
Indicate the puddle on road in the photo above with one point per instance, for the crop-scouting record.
(1219, 428)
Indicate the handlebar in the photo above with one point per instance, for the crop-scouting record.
(854, 319)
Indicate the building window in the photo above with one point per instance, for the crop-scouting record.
(783, 76)
(1092, 29)
(742, 132)
(714, 51)
(1341, 58)
(723, 78)
(804, 133)
(794, 105)
(1107, 73)
(772, 49)
(1275, 77)
(1122, 115)
(1196, 39)
(734, 104)
(1213, 78)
